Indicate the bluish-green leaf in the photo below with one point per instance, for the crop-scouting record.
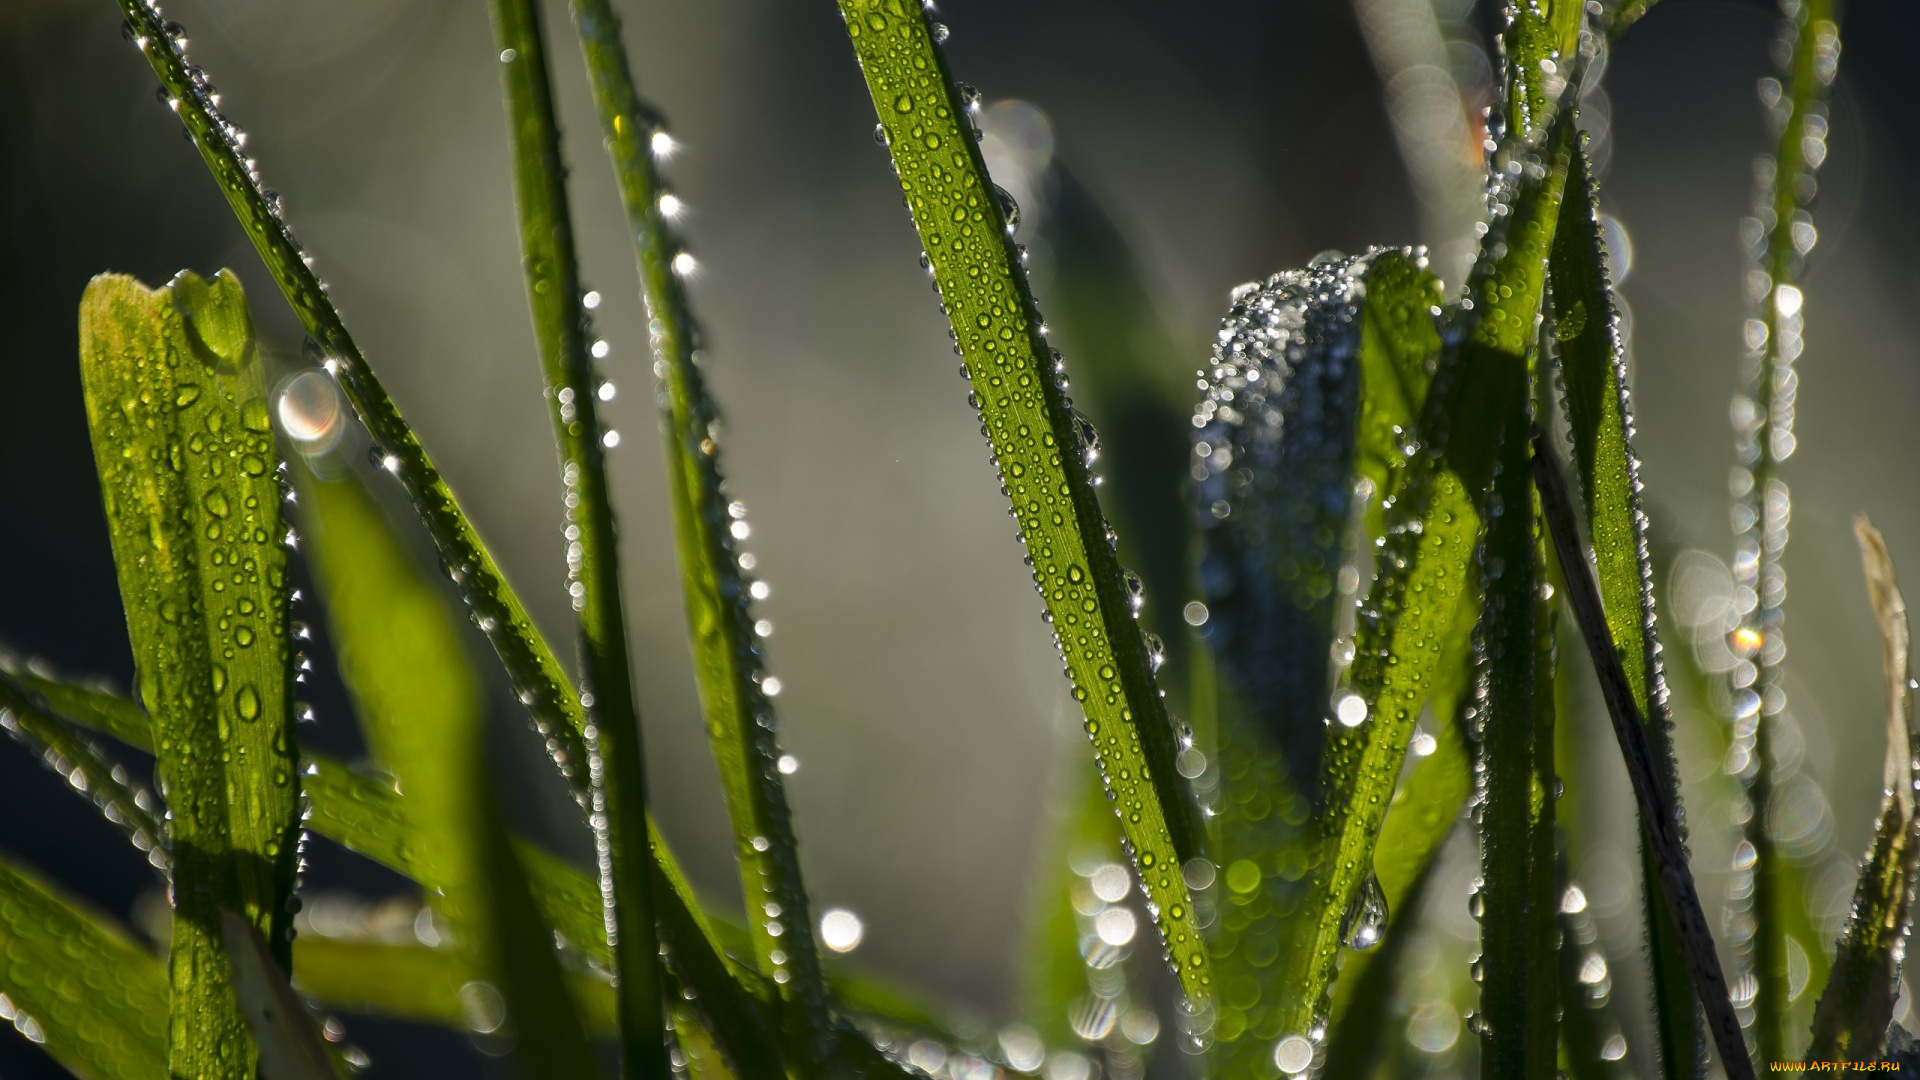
(79, 985)
(184, 450)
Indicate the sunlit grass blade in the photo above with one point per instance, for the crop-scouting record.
(1600, 413)
(88, 771)
(593, 559)
(707, 524)
(95, 707)
(1850, 1022)
(1041, 452)
(419, 706)
(1519, 991)
(184, 450)
(290, 1047)
(79, 985)
(415, 982)
(1658, 818)
(539, 680)
(1779, 236)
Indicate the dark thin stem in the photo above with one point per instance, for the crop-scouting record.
(613, 727)
(1657, 816)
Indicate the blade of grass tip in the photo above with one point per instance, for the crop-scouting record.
(1593, 1045)
(184, 450)
(290, 1048)
(1657, 816)
(1850, 1023)
(401, 658)
(1778, 236)
(734, 691)
(1040, 446)
(1514, 721)
(538, 678)
(77, 984)
(1599, 409)
(87, 769)
(561, 324)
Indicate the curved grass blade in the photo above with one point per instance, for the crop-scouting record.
(593, 559)
(96, 707)
(1658, 818)
(402, 661)
(290, 1048)
(539, 680)
(1600, 412)
(740, 716)
(178, 414)
(1519, 993)
(1779, 236)
(1039, 445)
(1850, 1023)
(77, 984)
(86, 767)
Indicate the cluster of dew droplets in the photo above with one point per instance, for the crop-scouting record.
(1580, 937)
(127, 803)
(1080, 439)
(1778, 237)
(1274, 495)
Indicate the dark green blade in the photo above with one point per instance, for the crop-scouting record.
(1600, 414)
(79, 985)
(185, 454)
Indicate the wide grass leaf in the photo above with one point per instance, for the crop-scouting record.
(402, 660)
(184, 450)
(1041, 449)
(1850, 1022)
(78, 984)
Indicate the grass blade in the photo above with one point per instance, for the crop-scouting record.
(1041, 450)
(1519, 993)
(727, 662)
(87, 769)
(1657, 816)
(402, 661)
(1600, 413)
(1850, 1022)
(1779, 236)
(184, 451)
(593, 562)
(95, 707)
(79, 985)
(539, 680)
(290, 1048)
(414, 982)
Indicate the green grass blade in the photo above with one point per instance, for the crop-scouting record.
(593, 562)
(727, 662)
(401, 658)
(1600, 413)
(414, 982)
(78, 984)
(24, 716)
(1658, 818)
(539, 680)
(290, 1047)
(1041, 451)
(185, 455)
(1780, 234)
(1519, 992)
(1850, 1022)
(95, 707)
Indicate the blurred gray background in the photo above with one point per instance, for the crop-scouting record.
(1227, 141)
